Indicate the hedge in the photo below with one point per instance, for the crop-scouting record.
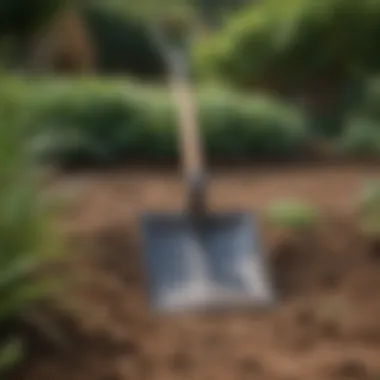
(361, 136)
(104, 122)
(369, 105)
(361, 139)
(95, 121)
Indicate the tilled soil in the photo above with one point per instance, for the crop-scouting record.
(327, 322)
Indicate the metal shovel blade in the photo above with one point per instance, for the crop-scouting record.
(215, 264)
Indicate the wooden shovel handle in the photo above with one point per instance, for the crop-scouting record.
(190, 141)
(176, 60)
(189, 133)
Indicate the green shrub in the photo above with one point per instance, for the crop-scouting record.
(10, 355)
(122, 43)
(239, 127)
(368, 208)
(108, 122)
(369, 106)
(361, 138)
(89, 123)
(238, 52)
(292, 42)
(25, 238)
(361, 135)
(293, 214)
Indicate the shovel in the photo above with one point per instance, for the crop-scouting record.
(200, 260)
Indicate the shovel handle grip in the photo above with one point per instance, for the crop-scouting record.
(190, 141)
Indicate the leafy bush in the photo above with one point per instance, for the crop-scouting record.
(122, 43)
(105, 122)
(293, 41)
(228, 55)
(368, 208)
(10, 355)
(90, 123)
(25, 239)
(293, 214)
(361, 138)
(258, 126)
(369, 106)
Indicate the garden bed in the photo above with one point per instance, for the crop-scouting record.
(327, 325)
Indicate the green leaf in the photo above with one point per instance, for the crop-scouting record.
(10, 355)
(293, 214)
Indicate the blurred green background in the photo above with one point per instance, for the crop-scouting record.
(274, 78)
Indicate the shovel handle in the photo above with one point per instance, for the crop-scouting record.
(190, 140)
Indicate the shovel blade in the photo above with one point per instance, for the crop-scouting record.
(216, 264)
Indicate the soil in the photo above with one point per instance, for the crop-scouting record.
(327, 321)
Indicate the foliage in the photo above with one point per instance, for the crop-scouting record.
(228, 54)
(368, 207)
(124, 31)
(245, 127)
(25, 238)
(89, 121)
(361, 138)
(21, 17)
(293, 214)
(147, 10)
(213, 12)
(293, 41)
(123, 44)
(10, 355)
(369, 106)
(150, 11)
(174, 17)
